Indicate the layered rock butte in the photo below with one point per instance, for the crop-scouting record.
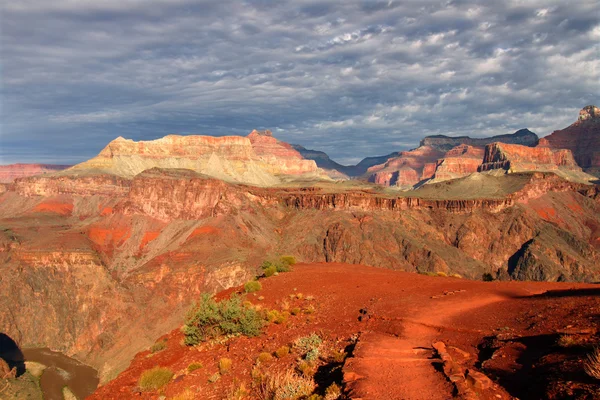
(101, 259)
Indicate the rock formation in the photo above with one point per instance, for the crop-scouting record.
(407, 169)
(440, 158)
(9, 173)
(582, 138)
(517, 158)
(258, 159)
(460, 161)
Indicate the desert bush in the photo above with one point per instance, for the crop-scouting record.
(282, 352)
(487, 277)
(209, 319)
(277, 317)
(155, 378)
(296, 311)
(214, 377)
(308, 344)
(289, 260)
(458, 276)
(441, 273)
(287, 385)
(252, 286)
(592, 363)
(270, 271)
(225, 365)
(264, 357)
(282, 265)
(194, 366)
(158, 346)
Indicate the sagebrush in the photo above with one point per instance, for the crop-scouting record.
(210, 319)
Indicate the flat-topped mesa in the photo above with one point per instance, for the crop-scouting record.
(517, 158)
(444, 143)
(8, 173)
(582, 138)
(256, 160)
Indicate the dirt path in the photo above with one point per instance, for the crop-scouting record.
(401, 366)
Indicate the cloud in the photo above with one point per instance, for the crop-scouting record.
(354, 78)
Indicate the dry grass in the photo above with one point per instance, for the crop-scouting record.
(567, 341)
(264, 357)
(592, 363)
(282, 352)
(155, 378)
(287, 385)
(225, 365)
(187, 394)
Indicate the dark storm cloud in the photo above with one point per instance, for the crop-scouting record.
(354, 79)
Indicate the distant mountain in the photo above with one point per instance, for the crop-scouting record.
(10, 172)
(444, 143)
(323, 161)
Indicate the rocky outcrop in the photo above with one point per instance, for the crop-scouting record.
(444, 143)
(406, 170)
(582, 138)
(517, 158)
(9, 173)
(82, 185)
(460, 161)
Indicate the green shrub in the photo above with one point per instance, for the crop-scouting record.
(158, 346)
(307, 344)
(252, 286)
(289, 260)
(155, 378)
(270, 271)
(209, 319)
(194, 366)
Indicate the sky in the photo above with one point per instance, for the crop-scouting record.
(351, 78)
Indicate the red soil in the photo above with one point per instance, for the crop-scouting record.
(402, 315)
(148, 237)
(57, 207)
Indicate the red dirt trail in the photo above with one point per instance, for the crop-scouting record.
(401, 315)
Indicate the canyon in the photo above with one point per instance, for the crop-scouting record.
(101, 259)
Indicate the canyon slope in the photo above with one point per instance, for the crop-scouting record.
(101, 259)
(10, 172)
(99, 266)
